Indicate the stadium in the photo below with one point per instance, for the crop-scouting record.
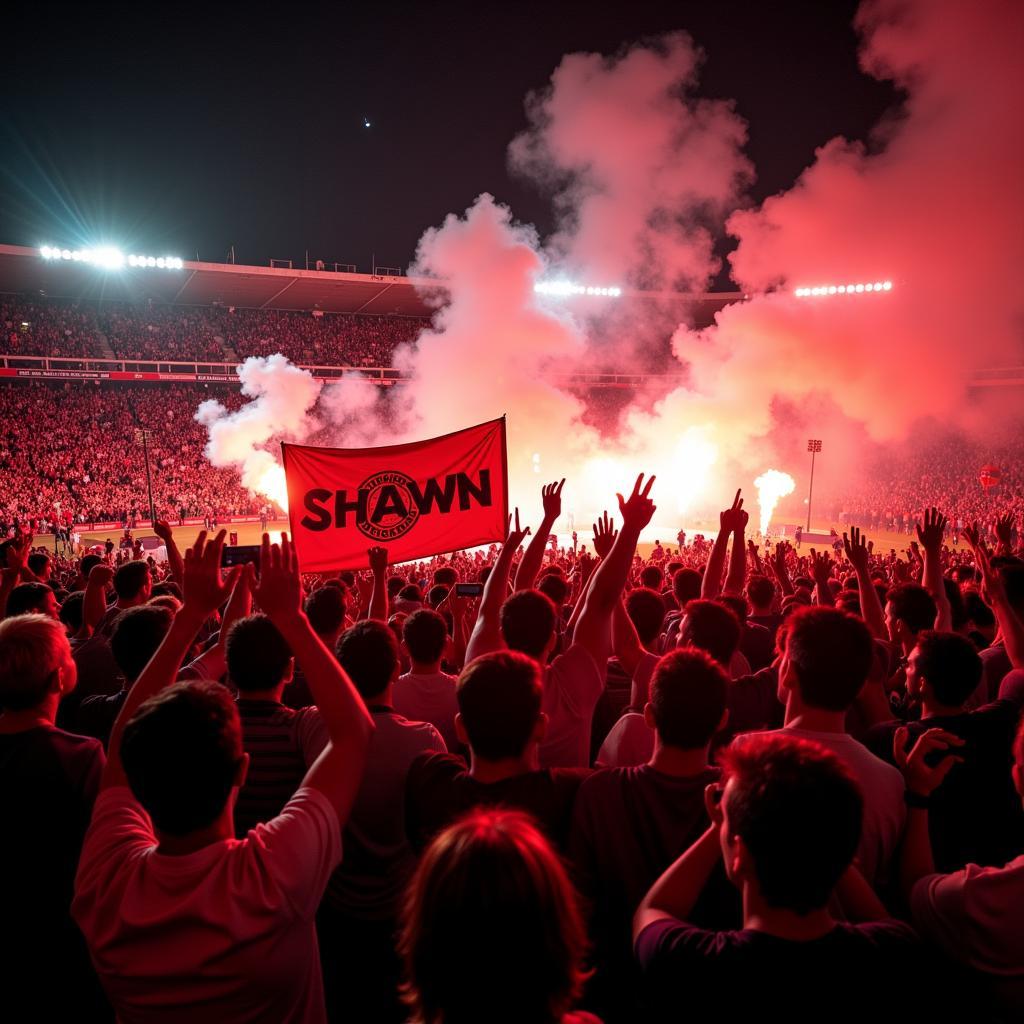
(585, 587)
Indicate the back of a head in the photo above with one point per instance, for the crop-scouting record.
(554, 586)
(913, 605)
(258, 656)
(798, 811)
(760, 591)
(32, 649)
(686, 586)
(737, 605)
(446, 576)
(368, 652)
(29, 599)
(137, 633)
(528, 621)
(425, 633)
(87, 564)
(491, 927)
(499, 696)
(713, 628)
(830, 652)
(646, 610)
(651, 577)
(688, 698)
(325, 608)
(950, 664)
(131, 580)
(38, 562)
(72, 610)
(181, 752)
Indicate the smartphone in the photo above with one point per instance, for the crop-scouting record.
(468, 589)
(241, 554)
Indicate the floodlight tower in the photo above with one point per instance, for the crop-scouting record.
(813, 446)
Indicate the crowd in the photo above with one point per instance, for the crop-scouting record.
(726, 779)
(158, 331)
(69, 456)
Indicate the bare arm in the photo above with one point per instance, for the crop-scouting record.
(821, 569)
(625, 639)
(486, 636)
(174, 561)
(533, 557)
(930, 533)
(593, 631)
(379, 594)
(870, 606)
(711, 586)
(337, 772)
(1011, 629)
(737, 575)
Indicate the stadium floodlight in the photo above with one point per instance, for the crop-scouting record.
(843, 289)
(109, 257)
(564, 289)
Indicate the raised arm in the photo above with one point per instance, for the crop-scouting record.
(625, 639)
(16, 569)
(205, 590)
(379, 594)
(1011, 629)
(856, 547)
(94, 602)
(737, 575)
(533, 557)
(174, 561)
(593, 631)
(821, 569)
(711, 587)
(338, 771)
(604, 537)
(486, 636)
(777, 563)
(929, 534)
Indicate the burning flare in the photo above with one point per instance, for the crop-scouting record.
(771, 486)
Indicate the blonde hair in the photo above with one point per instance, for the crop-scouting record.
(32, 649)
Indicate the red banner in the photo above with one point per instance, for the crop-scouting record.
(419, 499)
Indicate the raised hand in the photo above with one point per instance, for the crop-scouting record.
(931, 530)
(279, 592)
(205, 587)
(972, 534)
(992, 587)
(515, 537)
(551, 495)
(1004, 528)
(821, 567)
(102, 574)
(163, 530)
(734, 519)
(856, 547)
(604, 535)
(378, 557)
(922, 777)
(18, 551)
(639, 509)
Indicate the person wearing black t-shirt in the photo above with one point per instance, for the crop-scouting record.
(501, 721)
(786, 823)
(976, 814)
(629, 824)
(48, 785)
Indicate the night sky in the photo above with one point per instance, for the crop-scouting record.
(190, 128)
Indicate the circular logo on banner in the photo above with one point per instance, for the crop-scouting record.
(391, 509)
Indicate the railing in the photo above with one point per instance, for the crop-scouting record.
(170, 370)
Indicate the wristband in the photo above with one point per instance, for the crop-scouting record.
(916, 800)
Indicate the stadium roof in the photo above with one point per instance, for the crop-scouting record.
(23, 271)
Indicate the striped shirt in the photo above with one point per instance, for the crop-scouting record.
(281, 744)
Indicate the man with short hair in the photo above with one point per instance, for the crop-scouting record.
(827, 659)
(976, 815)
(33, 599)
(48, 785)
(164, 890)
(281, 743)
(425, 693)
(786, 825)
(137, 634)
(502, 722)
(133, 585)
(629, 824)
(761, 594)
(327, 611)
(359, 914)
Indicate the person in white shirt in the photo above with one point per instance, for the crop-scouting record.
(182, 919)
(425, 693)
